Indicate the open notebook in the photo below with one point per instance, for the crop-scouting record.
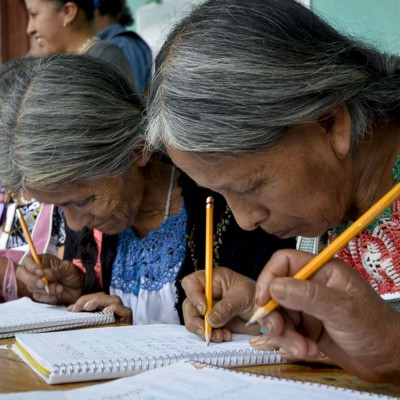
(25, 315)
(112, 352)
(184, 381)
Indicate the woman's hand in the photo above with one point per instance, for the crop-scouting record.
(233, 304)
(65, 279)
(334, 312)
(266, 342)
(104, 302)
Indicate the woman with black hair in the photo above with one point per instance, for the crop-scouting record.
(63, 26)
(111, 19)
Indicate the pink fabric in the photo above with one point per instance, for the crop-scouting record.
(14, 255)
(41, 235)
(10, 288)
(42, 231)
(41, 238)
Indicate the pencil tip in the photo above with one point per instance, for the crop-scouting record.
(208, 338)
(46, 288)
(260, 313)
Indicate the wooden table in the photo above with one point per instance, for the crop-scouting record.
(16, 376)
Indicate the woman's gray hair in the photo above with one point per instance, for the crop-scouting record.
(69, 118)
(8, 73)
(235, 75)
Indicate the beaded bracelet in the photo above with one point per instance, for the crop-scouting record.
(10, 288)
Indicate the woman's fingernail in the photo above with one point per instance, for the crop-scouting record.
(262, 342)
(256, 296)
(200, 332)
(294, 351)
(278, 289)
(86, 305)
(266, 328)
(256, 340)
(213, 318)
(199, 308)
(283, 353)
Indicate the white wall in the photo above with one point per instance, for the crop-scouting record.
(153, 21)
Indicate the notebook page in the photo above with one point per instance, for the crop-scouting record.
(111, 343)
(26, 311)
(25, 315)
(184, 381)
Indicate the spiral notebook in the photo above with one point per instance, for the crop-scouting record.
(25, 315)
(183, 381)
(113, 352)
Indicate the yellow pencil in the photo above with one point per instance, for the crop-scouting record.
(32, 248)
(341, 241)
(209, 265)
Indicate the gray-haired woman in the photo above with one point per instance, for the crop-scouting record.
(45, 222)
(71, 135)
(298, 127)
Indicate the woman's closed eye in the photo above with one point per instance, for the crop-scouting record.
(85, 202)
(256, 186)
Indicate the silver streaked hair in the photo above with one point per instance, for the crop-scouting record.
(235, 75)
(69, 118)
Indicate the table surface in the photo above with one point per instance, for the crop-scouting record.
(16, 376)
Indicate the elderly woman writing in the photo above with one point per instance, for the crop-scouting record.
(87, 157)
(297, 127)
(45, 222)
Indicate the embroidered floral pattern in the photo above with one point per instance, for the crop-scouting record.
(375, 253)
(221, 227)
(151, 262)
(191, 247)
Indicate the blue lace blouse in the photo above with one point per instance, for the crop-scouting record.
(145, 270)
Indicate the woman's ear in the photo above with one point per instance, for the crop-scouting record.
(70, 10)
(142, 156)
(338, 126)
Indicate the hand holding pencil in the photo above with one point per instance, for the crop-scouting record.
(335, 312)
(32, 247)
(341, 241)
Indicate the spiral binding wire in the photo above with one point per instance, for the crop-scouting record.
(132, 365)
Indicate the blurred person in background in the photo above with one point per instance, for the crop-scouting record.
(111, 19)
(60, 26)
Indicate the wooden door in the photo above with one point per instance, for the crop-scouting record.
(14, 42)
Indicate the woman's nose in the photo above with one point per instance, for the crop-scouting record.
(76, 220)
(30, 29)
(248, 214)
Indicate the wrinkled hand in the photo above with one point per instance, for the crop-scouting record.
(266, 342)
(65, 279)
(233, 296)
(335, 312)
(104, 302)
